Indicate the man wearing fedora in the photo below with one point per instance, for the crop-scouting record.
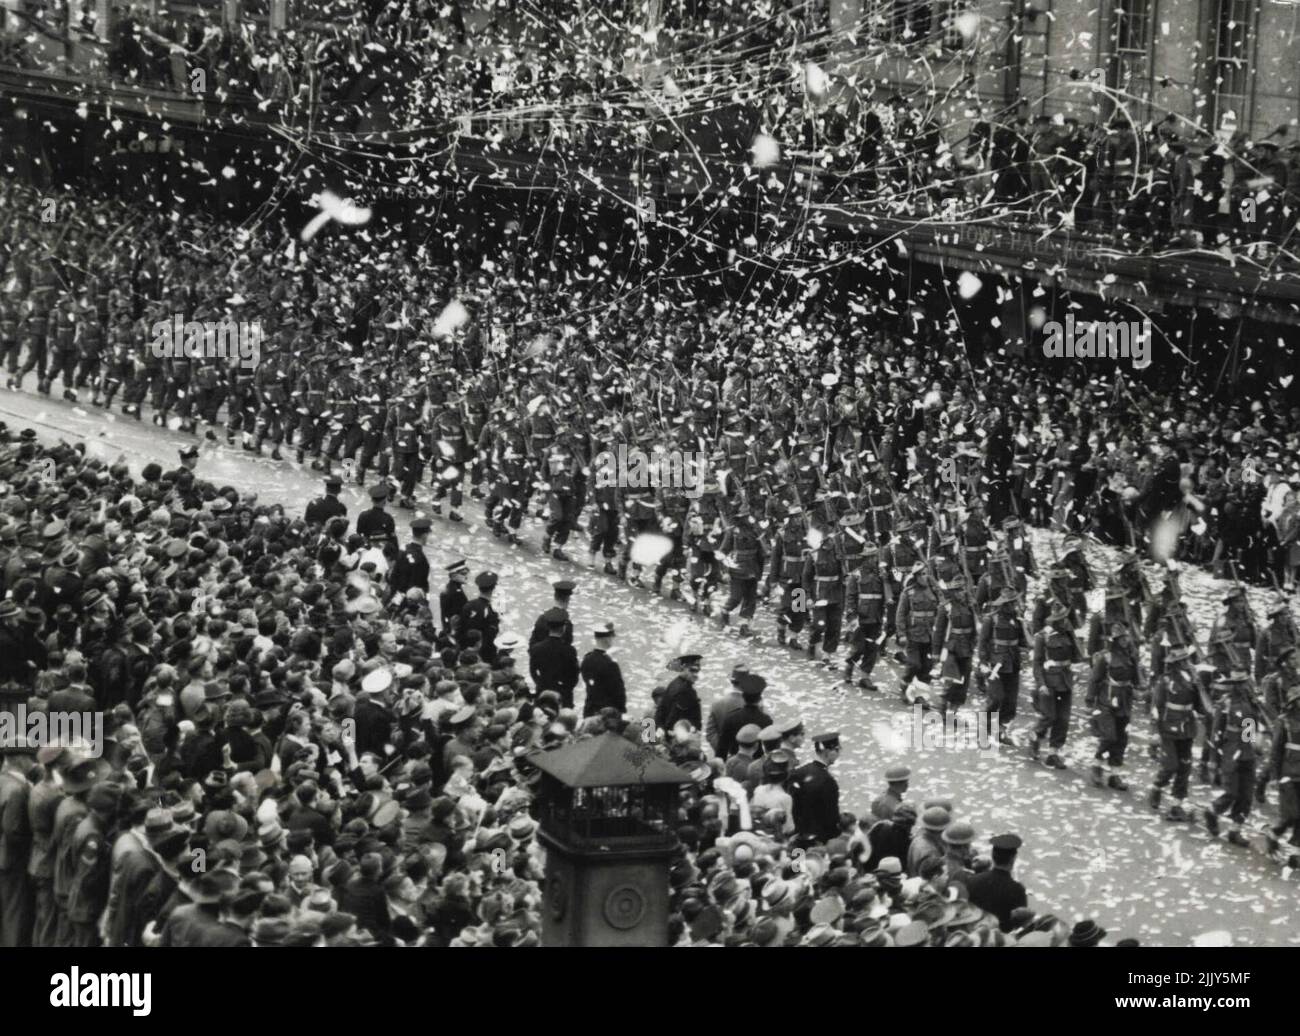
(197, 920)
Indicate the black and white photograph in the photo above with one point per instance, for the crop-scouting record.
(583, 474)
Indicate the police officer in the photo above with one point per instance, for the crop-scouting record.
(995, 890)
(1114, 680)
(815, 793)
(1055, 651)
(411, 569)
(452, 599)
(740, 543)
(681, 701)
(563, 594)
(1002, 639)
(480, 615)
(323, 508)
(552, 661)
(376, 523)
(1176, 698)
(602, 676)
(866, 603)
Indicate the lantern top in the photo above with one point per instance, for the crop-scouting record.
(608, 760)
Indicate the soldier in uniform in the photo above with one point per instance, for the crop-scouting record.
(901, 558)
(823, 586)
(323, 508)
(1020, 550)
(1284, 765)
(1114, 679)
(606, 506)
(673, 513)
(1057, 592)
(411, 569)
(1234, 733)
(1276, 637)
(1176, 698)
(269, 384)
(119, 365)
(785, 570)
(915, 624)
(1080, 575)
(602, 676)
(995, 890)
(63, 349)
(1168, 626)
(563, 594)
(975, 538)
(10, 343)
(552, 662)
(89, 342)
(1135, 587)
(375, 523)
(815, 793)
(741, 544)
(1116, 609)
(866, 603)
(640, 516)
(953, 641)
(241, 406)
(449, 452)
(480, 615)
(896, 784)
(402, 434)
(341, 410)
(1002, 639)
(998, 577)
(452, 599)
(1055, 651)
(311, 401)
(372, 415)
(1240, 623)
(563, 502)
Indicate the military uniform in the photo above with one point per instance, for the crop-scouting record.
(564, 501)
(1112, 685)
(866, 602)
(452, 599)
(954, 641)
(815, 797)
(789, 552)
(323, 508)
(479, 615)
(311, 403)
(376, 523)
(1234, 733)
(823, 585)
(1175, 703)
(402, 433)
(1055, 651)
(917, 608)
(449, 451)
(1002, 639)
(746, 553)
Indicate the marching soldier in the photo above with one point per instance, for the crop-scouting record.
(1055, 651)
(311, 400)
(341, 406)
(785, 570)
(823, 585)
(323, 508)
(119, 366)
(742, 547)
(1234, 733)
(606, 506)
(674, 510)
(1080, 577)
(563, 502)
(1056, 593)
(1168, 626)
(996, 578)
(372, 417)
(402, 433)
(1176, 698)
(1002, 639)
(1020, 550)
(1134, 584)
(449, 452)
(975, 538)
(1276, 637)
(10, 344)
(270, 383)
(1115, 610)
(602, 676)
(917, 608)
(1284, 765)
(1115, 677)
(953, 641)
(1239, 623)
(241, 404)
(900, 558)
(866, 603)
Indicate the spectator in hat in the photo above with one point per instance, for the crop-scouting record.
(995, 890)
(750, 713)
(723, 706)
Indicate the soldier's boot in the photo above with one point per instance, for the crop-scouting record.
(1274, 846)
(1117, 782)
(782, 634)
(635, 580)
(1055, 761)
(209, 435)
(70, 395)
(1153, 798)
(795, 643)
(11, 382)
(610, 568)
(275, 453)
(436, 508)
(475, 493)
(1035, 748)
(1098, 780)
(300, 456)
(454, 516)
(849, 664)
(830, 659)
(43, 387)
(744, 630)
(621, 572)
(591, 559)
(96, 399)
(1177, 813)
(558, 553)
(1237, 838)
(1211, 819)
(724, 619)
(815, 651)
(407, 503)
